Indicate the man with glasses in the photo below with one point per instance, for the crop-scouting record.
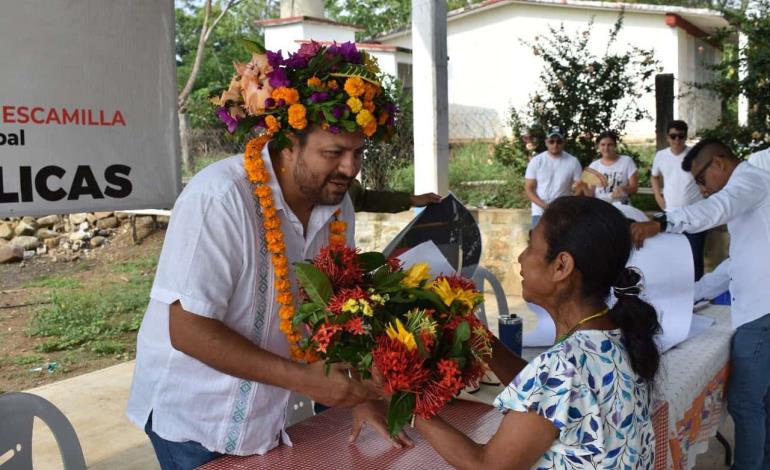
(679, 188)
(738, 194)
(550, 174)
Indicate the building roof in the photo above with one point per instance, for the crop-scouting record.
(301, 19)
(703, 19)
(366, 46)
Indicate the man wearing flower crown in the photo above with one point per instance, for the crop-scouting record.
(213, 371)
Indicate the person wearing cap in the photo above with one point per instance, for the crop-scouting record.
(550, 174)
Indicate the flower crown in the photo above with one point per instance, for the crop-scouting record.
(336, 87)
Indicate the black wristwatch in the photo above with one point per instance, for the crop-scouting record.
(661, 219)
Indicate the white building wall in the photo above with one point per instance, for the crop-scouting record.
(285, 37)
(490, 69)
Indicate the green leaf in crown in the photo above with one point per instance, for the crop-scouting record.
(357, 70)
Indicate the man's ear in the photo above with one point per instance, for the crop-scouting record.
(563, 266)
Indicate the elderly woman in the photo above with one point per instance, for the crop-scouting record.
(585, 402)
(619, 172)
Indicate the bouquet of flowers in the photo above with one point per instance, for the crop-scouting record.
(421, 334)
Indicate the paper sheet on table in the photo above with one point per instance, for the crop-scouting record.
(699, 325)
(666, 263)
(427, 252)
(544, 333)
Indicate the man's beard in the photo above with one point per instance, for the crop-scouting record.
(314, 188)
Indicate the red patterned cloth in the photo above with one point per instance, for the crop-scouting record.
(322, 442)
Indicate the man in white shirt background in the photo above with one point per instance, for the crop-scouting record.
(738, 194)
(550, 174)
(678, 188)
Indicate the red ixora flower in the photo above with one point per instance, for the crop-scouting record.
(355, 326)
(338, 300)
(402, 370)
(340, 265)
(458, 282)
(447, 382)
(324, 336)
(394, 264)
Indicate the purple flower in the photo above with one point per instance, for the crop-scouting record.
(275, 59)
(337, 112)
(280, 103)
(230, 121)
(334, 129)
(278, 78)
(295, 61)
(269, 103)
(348, 51)
(319, 96)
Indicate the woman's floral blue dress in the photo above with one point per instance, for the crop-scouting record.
(585, 386)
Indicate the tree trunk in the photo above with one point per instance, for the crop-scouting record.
(184, 144)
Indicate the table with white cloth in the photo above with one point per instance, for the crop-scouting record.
(688, 407)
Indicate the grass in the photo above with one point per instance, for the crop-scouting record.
(53, 283)
(96, 319)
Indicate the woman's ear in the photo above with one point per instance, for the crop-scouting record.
(563, 266)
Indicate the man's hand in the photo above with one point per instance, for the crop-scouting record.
(374, 414)
(619, 193)
(421, 200)
(340, 388)
(641, 231)
(661, 201)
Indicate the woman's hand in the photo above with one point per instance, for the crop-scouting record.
(374, 413)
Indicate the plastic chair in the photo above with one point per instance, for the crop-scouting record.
(300, 408)
(483, 274)
(17, 413)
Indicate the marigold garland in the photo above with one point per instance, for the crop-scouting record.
(274, 239)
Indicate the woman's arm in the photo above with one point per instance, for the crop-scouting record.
(519, 442)
(504, 363)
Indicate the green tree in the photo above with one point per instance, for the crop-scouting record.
(583, 93)
(729, 84)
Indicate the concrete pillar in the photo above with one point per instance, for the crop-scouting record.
(290, 8)
(743, 102)
(431, 108)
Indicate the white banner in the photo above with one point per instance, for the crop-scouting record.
(87, 106)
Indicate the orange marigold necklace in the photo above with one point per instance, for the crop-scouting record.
(259, 176)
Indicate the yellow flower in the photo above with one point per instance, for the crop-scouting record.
(350, 306)
(401, 334)
(416, 274)
(354, 104)
(354, 86)
(448, 295)
(364, 117)
(367, 309)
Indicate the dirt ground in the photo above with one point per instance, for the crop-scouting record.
(21, 365)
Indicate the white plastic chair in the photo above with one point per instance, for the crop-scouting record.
(17, 414)
(300, 409)
(483, 274)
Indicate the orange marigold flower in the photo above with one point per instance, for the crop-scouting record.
(286, 327)
(286, 298)
(336, 240)
(282, 271)
(354, 86)
(269, 212)
(369, 106)
(370, 128)
(263, 191)
(337, 226)
(354, 104)
(289, 95)
(273, 236)
(286, 312)
(370, 91)
(272, 223)
(273, 124)
(280, 261)
(297, 114)
(315, 81)
(383, 118)
(266, 202)
(282, 284)
(364, 117)
(254, 147)
(333, 85)
(276, 247)
(257, 175)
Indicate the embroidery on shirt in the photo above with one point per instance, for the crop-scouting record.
(238, 413)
